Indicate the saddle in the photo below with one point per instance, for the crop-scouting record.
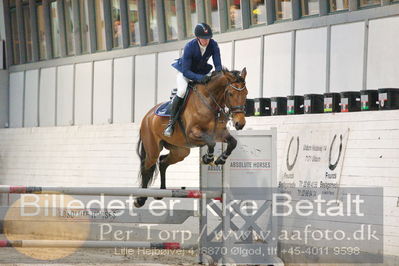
(164, 108)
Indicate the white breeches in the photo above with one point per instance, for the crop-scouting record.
(182, 83)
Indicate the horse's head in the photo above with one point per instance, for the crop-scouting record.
(236, 95)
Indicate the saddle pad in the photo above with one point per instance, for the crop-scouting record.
(163, 109)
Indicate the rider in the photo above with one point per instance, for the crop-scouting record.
(193, 66)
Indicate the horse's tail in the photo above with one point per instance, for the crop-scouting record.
(145, 175)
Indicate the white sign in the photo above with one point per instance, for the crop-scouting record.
(312, 158)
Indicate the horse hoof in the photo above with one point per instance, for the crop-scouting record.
(139, 202)
(206, 160)
(158, 198)
(219, 161)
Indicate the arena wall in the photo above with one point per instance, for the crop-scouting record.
(120, 88)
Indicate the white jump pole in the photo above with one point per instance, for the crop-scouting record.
(93, 244)
(111, 191)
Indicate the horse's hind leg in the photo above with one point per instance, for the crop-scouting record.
(148, 166)
(162, 169)
(175, 155)
(162, 172)
(147, 176)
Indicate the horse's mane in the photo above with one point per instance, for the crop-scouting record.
(215, 74)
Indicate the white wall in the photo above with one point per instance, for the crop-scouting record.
(123, 90)
(144, 87)
(310, 61)
(102, 92)
(16, 99)
(383, 53)
(226, 53)
(371, 156)
(31, 98)
(277, 65)
(47, 96)
(65, 95)
(247, 54)
(347, 57)
(166, 79)
(83, 93)
(96, 155)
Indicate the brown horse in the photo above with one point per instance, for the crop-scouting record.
(204, 120)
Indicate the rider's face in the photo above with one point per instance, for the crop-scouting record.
(203, 42)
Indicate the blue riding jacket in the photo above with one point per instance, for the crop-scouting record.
(193, 65)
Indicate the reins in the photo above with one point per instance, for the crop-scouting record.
(205, 102)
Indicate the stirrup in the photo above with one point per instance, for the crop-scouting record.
(168, 132)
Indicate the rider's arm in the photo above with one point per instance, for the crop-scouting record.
(186, 66)
(217, 62)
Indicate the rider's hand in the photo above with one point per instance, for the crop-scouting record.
(205, 79)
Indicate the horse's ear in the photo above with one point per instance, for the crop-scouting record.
(243, 73)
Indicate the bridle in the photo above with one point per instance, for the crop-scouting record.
(236, 108)
(232, 109)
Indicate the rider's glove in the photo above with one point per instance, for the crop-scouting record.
(205, 79)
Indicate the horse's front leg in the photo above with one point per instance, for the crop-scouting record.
(231, 145)
(210, 142)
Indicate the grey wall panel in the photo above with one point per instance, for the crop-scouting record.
(47, 96)
(65, 95)
(144, 88)
(277, 65)
(16, 99)
(310, 61)
(346, 60)
(102, 92)
(4, 97)
(31, 98)
(249, 58)
(83, 93)
(166, 75)
(226, 54)
(123, 90)
(383, 53)
(2, 24)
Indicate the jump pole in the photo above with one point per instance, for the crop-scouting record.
(111, 191)
(93, 244)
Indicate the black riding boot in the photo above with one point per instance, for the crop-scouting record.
(174, 109)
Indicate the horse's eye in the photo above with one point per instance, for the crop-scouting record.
(230, 94)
